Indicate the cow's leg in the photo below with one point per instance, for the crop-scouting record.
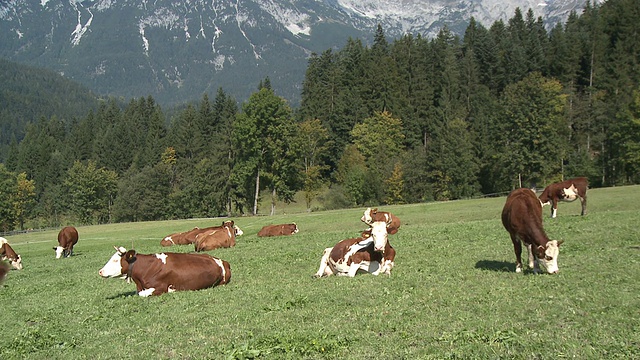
(324, 269)
(583, 200)
(554, 208)
(353, 269)
(532, 260)
(517, 248)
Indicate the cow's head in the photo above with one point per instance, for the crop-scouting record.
(548, 255)
(367, 216)
(59, 251)
(379, 235)
(544, 198)
(237, 230)
(167, 241)
(16, 262)
(114, 267)
(295, 228)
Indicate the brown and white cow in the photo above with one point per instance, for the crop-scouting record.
(278, 230)
(522, 217)
(568, 190)
(371, 253)
(7, 253)
(372, 215)
(67, 238)
(189, 237)
(156, 274)
(219, 237)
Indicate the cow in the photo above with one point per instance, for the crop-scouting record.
(67, 238)
(189, 237)
(372, 215)
(371, 253)
(522, 217)
(568, 190)
(156, 274)
(7, 253)
(220, 237)
(278, 230)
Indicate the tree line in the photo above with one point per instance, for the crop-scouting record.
(405, 121)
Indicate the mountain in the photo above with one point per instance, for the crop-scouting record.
(176, 50)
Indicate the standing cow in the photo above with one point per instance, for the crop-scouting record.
(522, 217)
(278, 230)
(568, 190)
(156, 274)
(372, 215)
(221, 237)
(67, 238)
(371, 253)
(7, 253)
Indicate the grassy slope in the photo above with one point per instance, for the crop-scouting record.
(453, 293)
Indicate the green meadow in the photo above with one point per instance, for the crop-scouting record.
(453, 293)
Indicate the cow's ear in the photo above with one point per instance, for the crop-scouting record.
(541, 251)
(54, 248)
(560, 242)
(130, 256)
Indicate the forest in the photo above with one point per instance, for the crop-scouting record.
(400, 121)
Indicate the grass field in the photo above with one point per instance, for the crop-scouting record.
(452, 295)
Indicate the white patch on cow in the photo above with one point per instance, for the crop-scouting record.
(554, 213)
(356, 247)
(171, 289)
(229, 231)
(570, 194)
(3, 241)
(238, 231)
(221, 264)
(162, 257)
(147, 292)
(59, 250)
(168, 238)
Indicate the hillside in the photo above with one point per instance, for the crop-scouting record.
(29, 93)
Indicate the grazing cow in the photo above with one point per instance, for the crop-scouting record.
(522, 217)
(189, 237)
(364, 254)
(568, 190)
(219, 237)
(156, 274)
(372, 215)
(7, 253)
(278, 230)
(67, 238)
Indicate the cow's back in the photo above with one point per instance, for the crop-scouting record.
(68, 237)
(522, 215)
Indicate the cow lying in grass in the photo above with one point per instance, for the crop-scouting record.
(371, 253)
(156, 274)
(189, 237)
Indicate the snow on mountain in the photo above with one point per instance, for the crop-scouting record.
(178, 49)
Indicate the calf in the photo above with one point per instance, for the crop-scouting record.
(7, 253)
(568, 190)
(372, 215)
(362, 254)
(278, 230)
(67, 238)
(189, 237)
(522, 217)
(156, 274)
(221, 237)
